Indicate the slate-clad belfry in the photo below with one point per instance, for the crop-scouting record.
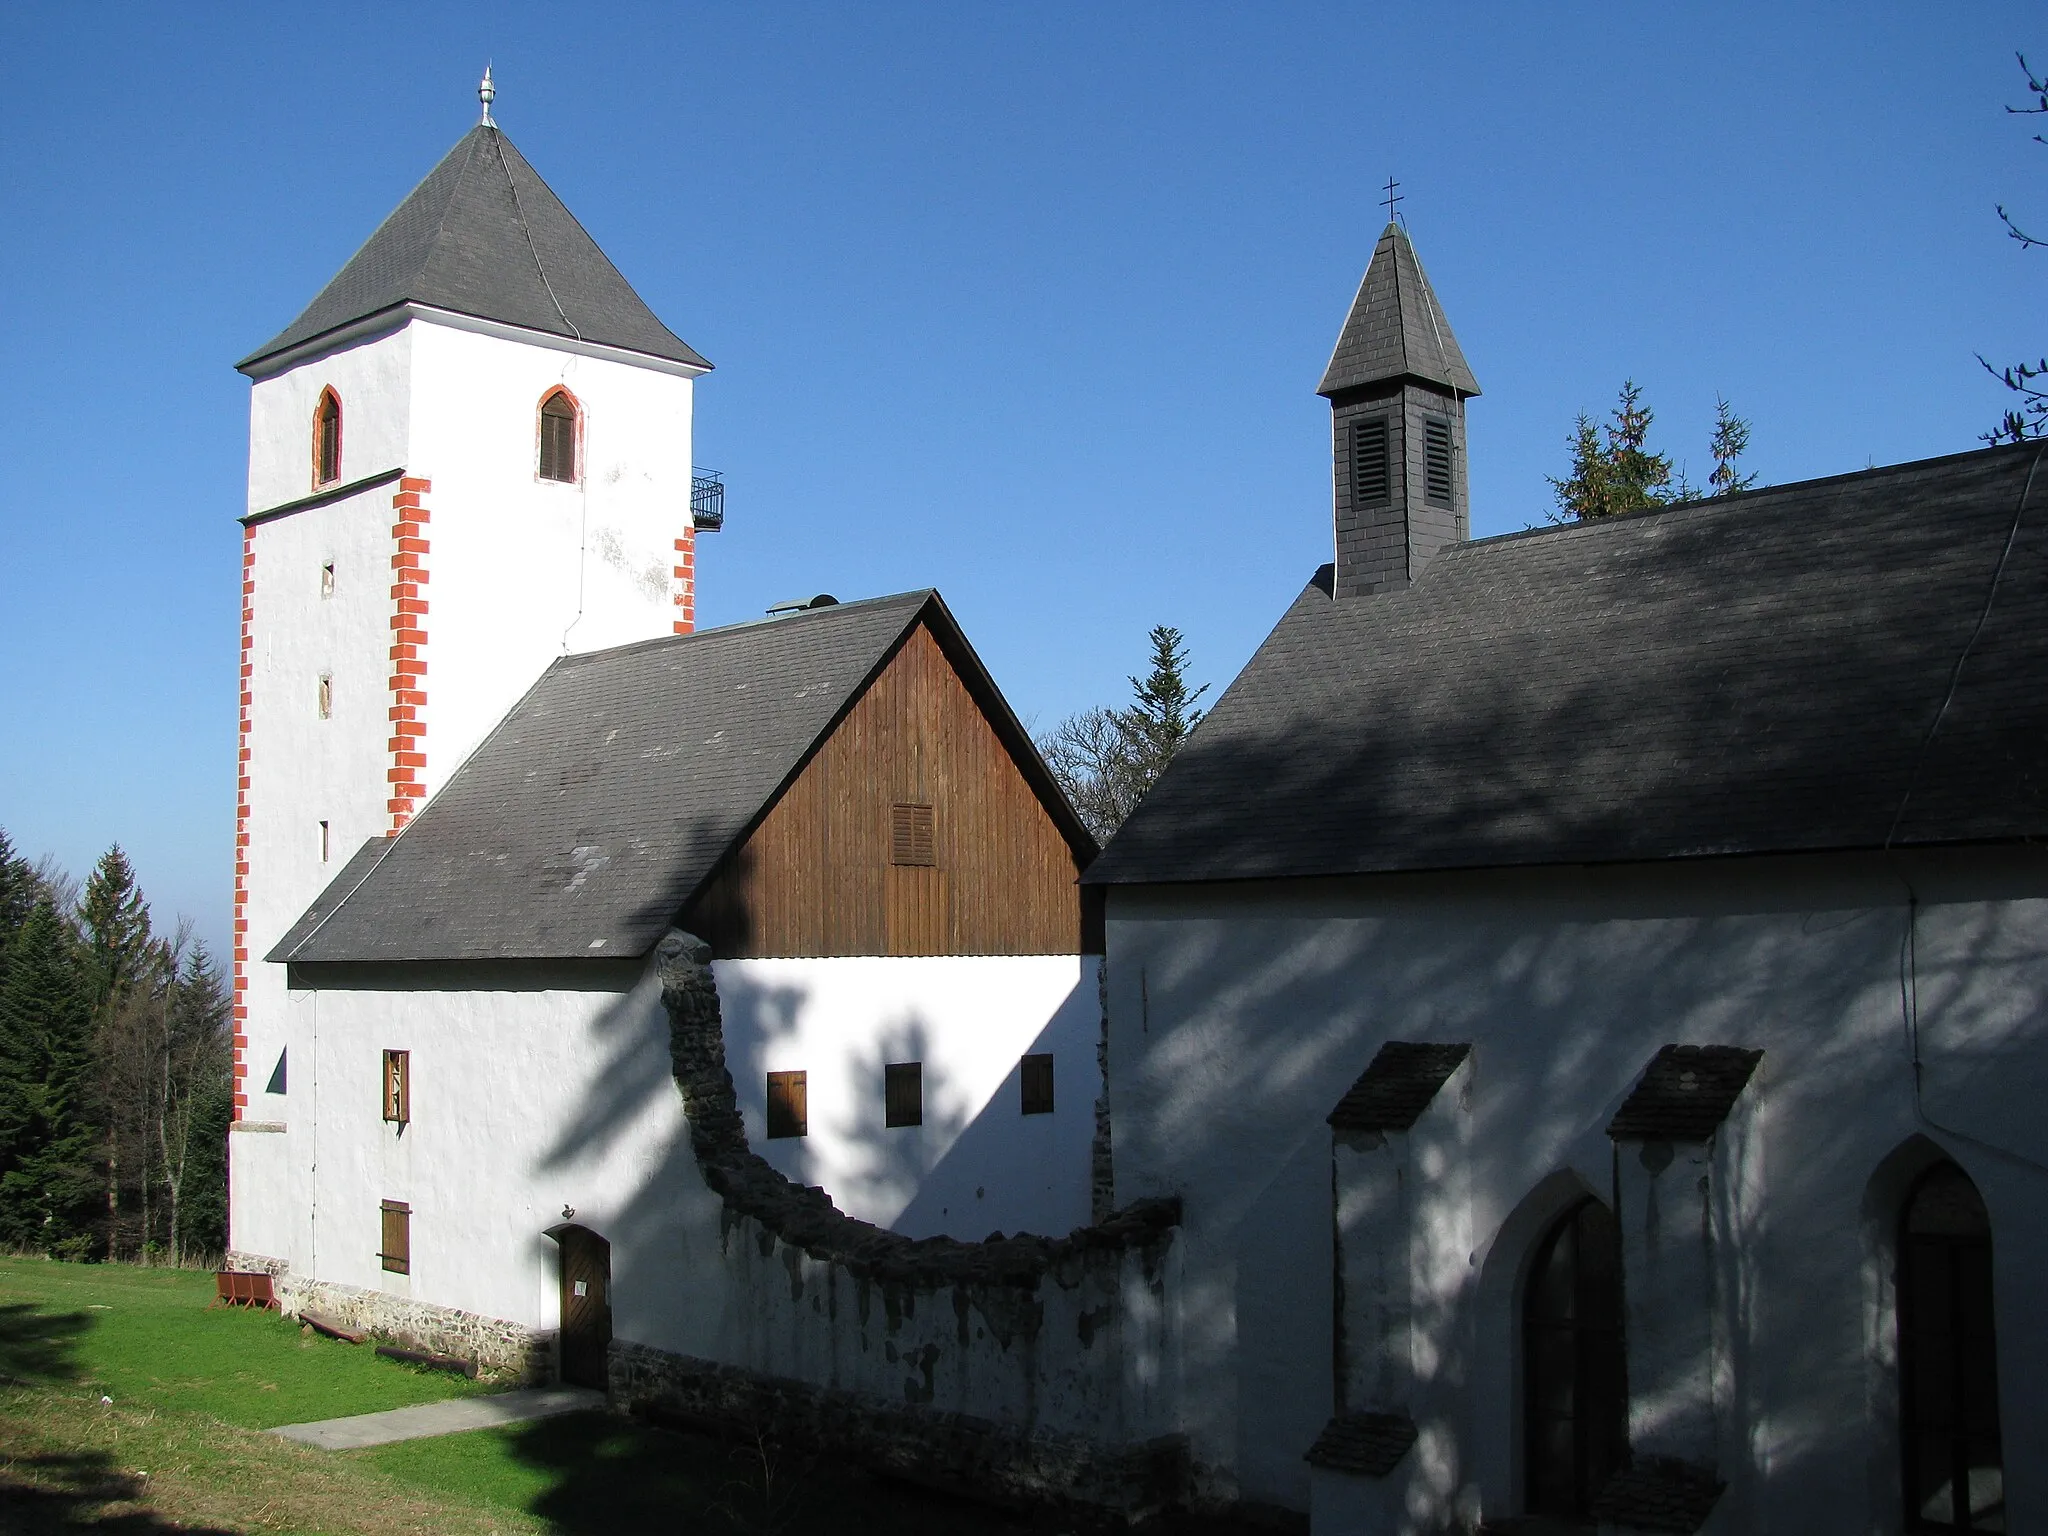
(1397, 385)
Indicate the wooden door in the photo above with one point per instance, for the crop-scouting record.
(586, 1306)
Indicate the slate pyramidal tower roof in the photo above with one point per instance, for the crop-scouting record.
(484, 236)
(1396, 328)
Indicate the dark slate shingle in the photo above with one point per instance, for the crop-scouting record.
(1368, 1443)
(1398, 1085)
(1750, 675)
(596, 808)
(1685, 1093)
(1658, 1493)
(1396, 328)
(483, 235)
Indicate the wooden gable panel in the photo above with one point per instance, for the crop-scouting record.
(819, 876)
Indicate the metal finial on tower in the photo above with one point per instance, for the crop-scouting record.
(1386, 202)
(487, 93)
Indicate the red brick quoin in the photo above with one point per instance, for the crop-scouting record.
(240, 957)
(686, 582)
(408, 744)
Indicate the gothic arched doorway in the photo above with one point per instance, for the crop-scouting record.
(586, 1264)
(1948, 1358)
(1574, 1375)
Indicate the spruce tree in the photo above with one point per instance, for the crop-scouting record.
(48, 1176)
(17, 896)
(199, 1103)
(1163, 714)
(116, 923)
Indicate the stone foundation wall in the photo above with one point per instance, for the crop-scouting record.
(958, 1452)
(503, 1351)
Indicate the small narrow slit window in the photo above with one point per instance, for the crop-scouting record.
(558, 438)
(788, 1105)
(326, 843)
(903, 1093)
(327, 439)
(1436, 462)
(1037, 1075)
(396, 1250)
(398, 1087)
(327, 579)
(1372, 470)
(912, 835)
(326, 696)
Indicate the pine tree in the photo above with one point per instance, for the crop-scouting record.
(116, 923)
(1621, 474)
(198, 1103)
(1728, 444)
(1106, 759)
(48, 1175)
(18, 887)
(1163, 715)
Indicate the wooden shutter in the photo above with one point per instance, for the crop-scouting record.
(788, 1106)
(396, 1252)
(912, 835)
(903, 1093)
(398, 1086)
(1436, 462)
(1037, 1075)
(1372, 477)
(557, 439)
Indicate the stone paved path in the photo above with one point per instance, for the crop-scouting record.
(450, 1417)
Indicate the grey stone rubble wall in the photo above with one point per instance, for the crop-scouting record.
(1023, 1365)
(502, 1350)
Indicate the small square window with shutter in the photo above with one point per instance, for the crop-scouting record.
(903, 1093)
(1436, 462)
(788, 1105)
(396, 1251)
(1037, 1074)
(912, 835)
(398, 1087)
(1372, 469)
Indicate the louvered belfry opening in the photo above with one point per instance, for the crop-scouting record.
(1397, 385)
(558, 438)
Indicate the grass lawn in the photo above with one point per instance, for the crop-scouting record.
(179, 1448)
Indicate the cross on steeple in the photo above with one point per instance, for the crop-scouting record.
(1391, 198)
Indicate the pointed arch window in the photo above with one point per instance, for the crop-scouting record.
(1948, 1358)
(1574, 1374)
(327, 439)
(558, 423)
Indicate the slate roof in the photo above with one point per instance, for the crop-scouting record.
(597, 807)
(1756, 674)
(1396, 328)
(483, 235)
(1397, 1086)
(1685, 1093)
(1368, 1443)
(1658, 1493)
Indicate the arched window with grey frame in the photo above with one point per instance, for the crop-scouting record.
(1948, 1358)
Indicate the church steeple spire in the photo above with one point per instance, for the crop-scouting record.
(1397, 385)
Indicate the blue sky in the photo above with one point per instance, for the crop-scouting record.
(1025, 302)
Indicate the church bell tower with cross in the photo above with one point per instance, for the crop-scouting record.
(1397, 386)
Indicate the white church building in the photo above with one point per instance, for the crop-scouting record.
(1559, 1049)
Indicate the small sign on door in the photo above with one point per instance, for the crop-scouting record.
(582, 1287)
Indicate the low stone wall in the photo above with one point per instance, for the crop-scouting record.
(958, 1452)
(1027, 1367)
(503, 1351)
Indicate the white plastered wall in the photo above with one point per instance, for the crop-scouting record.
(978, 1164)
(1240, 1016)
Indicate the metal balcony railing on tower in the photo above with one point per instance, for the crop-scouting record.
(707, 500)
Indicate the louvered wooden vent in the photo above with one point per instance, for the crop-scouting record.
(1372, 471)
(912, 835)
(558, 439)
(396, 1252)
(788, 1105)
(1436, 462)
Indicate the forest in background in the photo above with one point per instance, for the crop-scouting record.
(116, 1071)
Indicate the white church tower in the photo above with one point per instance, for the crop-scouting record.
(470, 454)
